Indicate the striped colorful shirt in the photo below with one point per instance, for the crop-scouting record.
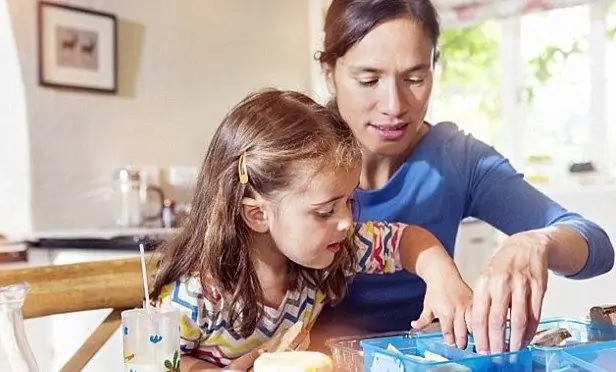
(204, 324)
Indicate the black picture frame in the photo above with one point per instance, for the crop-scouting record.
(77, 48)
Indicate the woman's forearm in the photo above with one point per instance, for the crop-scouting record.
(567, 249)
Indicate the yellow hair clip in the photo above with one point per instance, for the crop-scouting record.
(241, 169)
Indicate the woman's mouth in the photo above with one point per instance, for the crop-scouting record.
(390, 132)
(334, 247)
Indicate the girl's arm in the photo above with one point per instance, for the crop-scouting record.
(386, 247)
(423, 254)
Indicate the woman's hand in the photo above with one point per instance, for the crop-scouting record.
(449, 299)
(515, 279)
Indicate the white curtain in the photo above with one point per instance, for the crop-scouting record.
(456, 13)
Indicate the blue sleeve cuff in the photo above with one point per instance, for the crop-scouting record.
(600, 250)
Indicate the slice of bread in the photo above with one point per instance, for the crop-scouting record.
(294, 361)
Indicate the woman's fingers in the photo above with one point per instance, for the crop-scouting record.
(480, 313)
(468, 318)
(519, 313)
(460, 328)
(537, 292)
(500, 295)
(447, 328)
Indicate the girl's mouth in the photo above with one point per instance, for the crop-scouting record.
(334, 247)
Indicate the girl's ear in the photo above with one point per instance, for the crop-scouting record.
(254, 215)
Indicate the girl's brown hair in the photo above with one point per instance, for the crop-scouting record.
(280, 134)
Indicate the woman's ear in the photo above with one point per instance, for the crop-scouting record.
(254, 215)
(328, 73)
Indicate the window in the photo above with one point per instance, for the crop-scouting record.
(611, 84)
(556, 91)
(534, 85)
(469, 71)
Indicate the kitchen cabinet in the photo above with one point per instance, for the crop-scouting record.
(475, 244)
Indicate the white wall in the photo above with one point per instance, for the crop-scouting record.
(14, 157)
(182, 64)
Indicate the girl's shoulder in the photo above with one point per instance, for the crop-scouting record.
(194, 290)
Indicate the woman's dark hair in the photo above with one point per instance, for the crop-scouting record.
(279, 135)
(348, 21)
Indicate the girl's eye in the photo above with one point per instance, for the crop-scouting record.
(325, 214)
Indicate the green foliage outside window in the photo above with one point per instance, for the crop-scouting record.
(469, 56)
(611, 22)
(470, 59)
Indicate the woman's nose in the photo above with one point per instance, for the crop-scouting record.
(393, 102)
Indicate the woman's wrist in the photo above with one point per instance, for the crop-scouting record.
(566, 251)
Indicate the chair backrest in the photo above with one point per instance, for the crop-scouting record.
(112, 284)
(60, 289)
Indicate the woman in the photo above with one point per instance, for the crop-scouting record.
(378, 61)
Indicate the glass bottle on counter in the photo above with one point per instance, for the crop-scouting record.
(15, 352)
(133, 198)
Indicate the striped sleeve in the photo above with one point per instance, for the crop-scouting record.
(378, 244)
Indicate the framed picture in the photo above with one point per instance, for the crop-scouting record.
(77, 48)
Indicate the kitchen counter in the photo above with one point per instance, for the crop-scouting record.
(100, 233)
(17, 249)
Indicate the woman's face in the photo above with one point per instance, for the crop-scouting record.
(382, 85)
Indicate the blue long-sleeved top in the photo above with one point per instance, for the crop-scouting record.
(448, 177)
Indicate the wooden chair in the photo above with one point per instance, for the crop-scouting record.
(113, 284)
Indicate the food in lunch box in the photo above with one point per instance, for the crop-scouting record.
(428, 355)
(431, 357)
(603, 314)
(294, 361)
(392, 349)
(551, 337)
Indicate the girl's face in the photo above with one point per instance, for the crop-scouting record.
(382, 85)
(308, 224)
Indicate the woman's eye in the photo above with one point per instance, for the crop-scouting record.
(368, 83)
(414, 82)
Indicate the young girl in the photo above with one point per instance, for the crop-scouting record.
(271, 239)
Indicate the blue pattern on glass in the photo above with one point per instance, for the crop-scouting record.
(156, 339)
